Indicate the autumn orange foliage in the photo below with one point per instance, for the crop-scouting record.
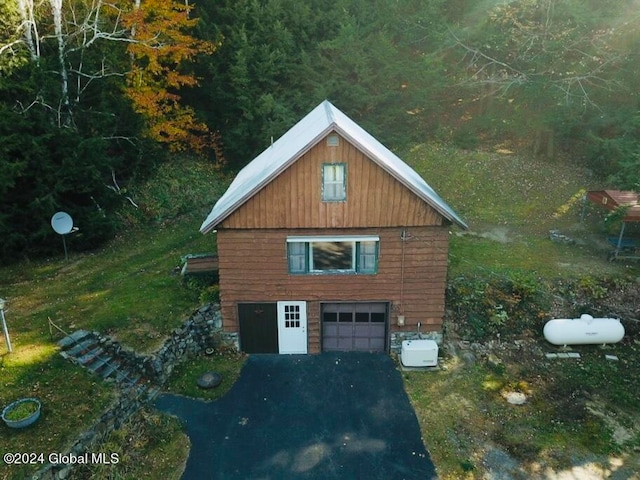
(160, 51)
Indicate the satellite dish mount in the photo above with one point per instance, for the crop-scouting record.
(62, 224)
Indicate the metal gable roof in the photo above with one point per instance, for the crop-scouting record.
(301, 138)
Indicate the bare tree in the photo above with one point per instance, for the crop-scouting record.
(538, 46)
(29, 28)
(56, 11)
(75, 28)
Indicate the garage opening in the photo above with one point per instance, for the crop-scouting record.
(350, 327)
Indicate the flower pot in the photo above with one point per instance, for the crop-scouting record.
(22, 413)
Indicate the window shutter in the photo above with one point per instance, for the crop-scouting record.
(367, 257)
(297, 257)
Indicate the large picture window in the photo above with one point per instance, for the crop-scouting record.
(327, 255)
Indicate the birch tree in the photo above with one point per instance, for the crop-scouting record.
(146, 43)
(56, 12)
(29, 28)
(15, 44)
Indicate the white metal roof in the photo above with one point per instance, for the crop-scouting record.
(301, 138)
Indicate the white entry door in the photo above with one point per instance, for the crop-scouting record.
(292, 327)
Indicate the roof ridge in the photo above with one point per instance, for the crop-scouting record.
(329, 110)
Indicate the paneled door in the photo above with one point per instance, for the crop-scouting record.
(292, 327)
(258, 327)
(348, 327)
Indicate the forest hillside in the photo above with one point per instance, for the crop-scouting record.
(95, 96)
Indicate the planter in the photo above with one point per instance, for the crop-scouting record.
(22, 413)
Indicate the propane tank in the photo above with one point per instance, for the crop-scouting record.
(585, 330)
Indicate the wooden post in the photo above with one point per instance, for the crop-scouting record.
(4, 326)
(619, 245)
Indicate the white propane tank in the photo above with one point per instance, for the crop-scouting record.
(583, 331)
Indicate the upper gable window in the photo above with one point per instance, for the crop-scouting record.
(334, 182)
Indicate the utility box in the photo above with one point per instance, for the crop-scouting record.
(419, 353)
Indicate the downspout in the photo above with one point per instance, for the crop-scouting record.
(403, 238)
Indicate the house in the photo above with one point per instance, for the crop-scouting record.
(328, 241)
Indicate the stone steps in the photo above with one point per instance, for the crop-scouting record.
(80, 348)
(109, 369)
(97, 366)
(89, 357)
(84, 348)
(73, 339)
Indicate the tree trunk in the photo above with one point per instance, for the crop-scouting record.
(29, 28)
(64, 116)
(218, 148)
(544, 143)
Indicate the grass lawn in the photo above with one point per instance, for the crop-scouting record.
(71, 399)
(464, 414)
(185, 376)
(149, 446)
(510, 203)
(128, 289)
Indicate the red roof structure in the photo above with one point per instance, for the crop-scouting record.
(612, 199)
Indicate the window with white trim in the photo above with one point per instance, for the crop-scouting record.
(333, 255)
(334, 182)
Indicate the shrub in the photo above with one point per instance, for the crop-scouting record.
(509, 304)
(515, 302)
(465, 138)
(205, 285)
(210, 294)
(176, 188)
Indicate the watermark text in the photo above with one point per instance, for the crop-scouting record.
(87, 458)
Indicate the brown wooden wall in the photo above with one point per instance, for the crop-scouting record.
(293, 199)
(411, 275)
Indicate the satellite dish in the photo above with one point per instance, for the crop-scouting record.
(62, 223)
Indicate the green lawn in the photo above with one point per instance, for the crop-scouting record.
(503, 188)
(510, 203)
(463, 412)
(128, 289)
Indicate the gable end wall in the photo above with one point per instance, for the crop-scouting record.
(293, 199)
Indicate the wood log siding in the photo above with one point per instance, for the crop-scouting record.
(294, 198)
(253, 268)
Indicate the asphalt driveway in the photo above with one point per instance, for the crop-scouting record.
(329, 416)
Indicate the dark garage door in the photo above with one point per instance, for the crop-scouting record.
(354, 327)
(258, 327)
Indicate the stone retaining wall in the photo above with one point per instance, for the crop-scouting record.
(398, 337)
(200, 331)
(125, 405)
